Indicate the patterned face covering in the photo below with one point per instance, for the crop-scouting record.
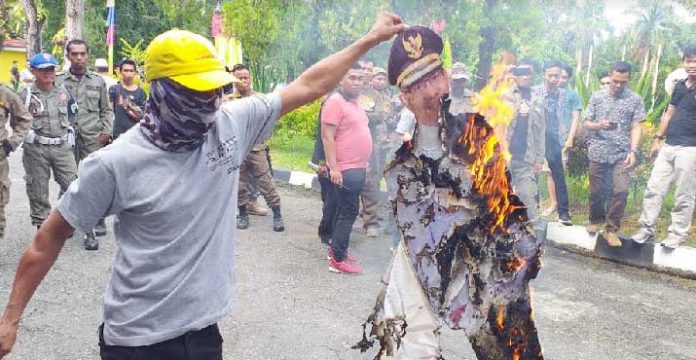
(178, 119)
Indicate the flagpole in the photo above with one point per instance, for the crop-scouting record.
(110, 34)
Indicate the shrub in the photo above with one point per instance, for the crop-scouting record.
(301, 122)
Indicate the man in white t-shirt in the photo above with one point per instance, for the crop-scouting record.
(168, 184)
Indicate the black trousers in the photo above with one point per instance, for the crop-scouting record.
(204, 344)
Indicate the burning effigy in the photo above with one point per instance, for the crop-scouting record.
(468, 251)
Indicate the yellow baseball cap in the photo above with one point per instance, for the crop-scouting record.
(187, 58)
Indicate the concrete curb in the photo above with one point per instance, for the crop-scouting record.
(680, 261)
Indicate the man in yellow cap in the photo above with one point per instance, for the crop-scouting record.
(168, 183)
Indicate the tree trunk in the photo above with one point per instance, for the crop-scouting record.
(74, 23)
(34, 27)
(74, 19)
(486, 48)
(3, 21)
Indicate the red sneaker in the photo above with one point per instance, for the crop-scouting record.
(345, 267)
(350, 257)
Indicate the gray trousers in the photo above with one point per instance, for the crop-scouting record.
(525, 186)
(4, 189)
(39, 161)
(674, 164)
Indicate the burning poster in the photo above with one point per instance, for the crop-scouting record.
(468, 251)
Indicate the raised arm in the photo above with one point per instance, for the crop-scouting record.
(323, 76)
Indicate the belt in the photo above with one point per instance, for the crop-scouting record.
(45, 140)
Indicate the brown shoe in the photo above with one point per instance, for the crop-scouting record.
(254, 208)
(612, 238)
(592, 229)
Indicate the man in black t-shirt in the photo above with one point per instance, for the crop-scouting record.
(676, 161)
(127, 98)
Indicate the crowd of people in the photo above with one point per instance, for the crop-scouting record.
(548, 120)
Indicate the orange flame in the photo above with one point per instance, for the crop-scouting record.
(487, 169)
(491, 101)
(500, 318)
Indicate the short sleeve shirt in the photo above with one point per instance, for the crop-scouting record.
(681, 130)
(572, 103)
(174, 223)
(353, 139)
(610, 146)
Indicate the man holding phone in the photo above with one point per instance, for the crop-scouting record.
(612, 119)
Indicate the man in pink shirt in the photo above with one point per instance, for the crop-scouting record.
(347, 145)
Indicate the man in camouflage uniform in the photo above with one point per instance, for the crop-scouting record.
(377, 104)
(256, 165)
(462, 97)
(49, 144)
(95, 118)
(13, 111)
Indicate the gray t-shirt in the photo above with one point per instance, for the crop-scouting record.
(174, 223)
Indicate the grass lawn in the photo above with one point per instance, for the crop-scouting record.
(291, 154)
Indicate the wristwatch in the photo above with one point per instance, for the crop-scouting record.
(658, 137)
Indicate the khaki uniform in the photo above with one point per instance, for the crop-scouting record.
(256, 170)
(464, 104)
(377, 105)
(12, 110)
(48, 147)
(94, 116)
(523, 179)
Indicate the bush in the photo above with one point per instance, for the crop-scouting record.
(301, 122)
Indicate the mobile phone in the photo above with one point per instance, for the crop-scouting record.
(522, 71)
(613, 126)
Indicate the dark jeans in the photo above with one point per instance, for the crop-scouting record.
(328, 210)
(347, 204)
(204, 344)
(608, 193)
(555, 161)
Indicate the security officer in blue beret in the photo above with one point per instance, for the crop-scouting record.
(50, 142)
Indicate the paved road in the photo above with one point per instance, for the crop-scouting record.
(291, 307)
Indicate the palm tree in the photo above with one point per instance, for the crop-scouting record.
(655, 25)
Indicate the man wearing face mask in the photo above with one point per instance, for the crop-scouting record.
(170, 185)
(447, 269)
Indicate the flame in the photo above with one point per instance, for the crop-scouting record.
(491, 101)
(487, 169)
(500, 318)
(516, 264)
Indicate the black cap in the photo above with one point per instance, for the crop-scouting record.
(414, 53)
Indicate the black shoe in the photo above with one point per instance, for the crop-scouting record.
(278, 224)
(565, 220)
(100, 229)
(243, 222)
(91, 242)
